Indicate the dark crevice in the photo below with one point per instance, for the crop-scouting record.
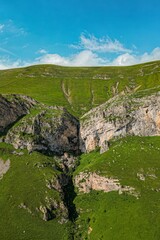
(69, 195)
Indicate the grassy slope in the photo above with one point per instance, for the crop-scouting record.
(78, 89)
(111, 216)
(25, 183)
(114, 216)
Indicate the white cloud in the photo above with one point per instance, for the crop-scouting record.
(91, 51)
(89, 58)
(11, 28)
(52, 59)
(124, 60)
(1, 28)
(103, 45)
(129, 59)
(6, 63)
(42, 51)
(154, 55)
(83, 58)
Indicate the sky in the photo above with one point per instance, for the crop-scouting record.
(79, 32)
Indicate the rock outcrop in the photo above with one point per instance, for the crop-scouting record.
(4, 167)
(13, 107)
(46, 129)
(54, 209)
(87, 181)
(120, 117)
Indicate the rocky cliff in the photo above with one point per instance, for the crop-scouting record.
(119, 117)
(54, 130)
(46, 129)
(13, 107)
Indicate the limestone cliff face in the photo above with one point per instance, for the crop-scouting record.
(120, 117)
(13, 107)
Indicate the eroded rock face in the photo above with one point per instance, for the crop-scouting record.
(54, 210)
(51, 130)
(43, 128)
(86, 182)
(120, 117)
(12, 108)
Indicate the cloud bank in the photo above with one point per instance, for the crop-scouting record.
(7, 63)
(89, 58)
(90, 51)
(83, 58)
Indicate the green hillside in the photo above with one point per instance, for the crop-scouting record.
(114, 216)
(79, 89)
(23, 190)
(30, 182)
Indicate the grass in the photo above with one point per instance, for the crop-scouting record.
(79, 89)
(102, 215)
(25, 183)
(114, 216)
(105, 215)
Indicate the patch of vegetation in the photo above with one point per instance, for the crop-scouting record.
(23, 190)
(114, 216)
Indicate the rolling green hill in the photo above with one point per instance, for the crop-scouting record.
(79, 89)
(40, 199)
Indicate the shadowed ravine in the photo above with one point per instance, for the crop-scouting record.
(69, 196)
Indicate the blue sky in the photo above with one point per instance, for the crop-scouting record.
(79, 32)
